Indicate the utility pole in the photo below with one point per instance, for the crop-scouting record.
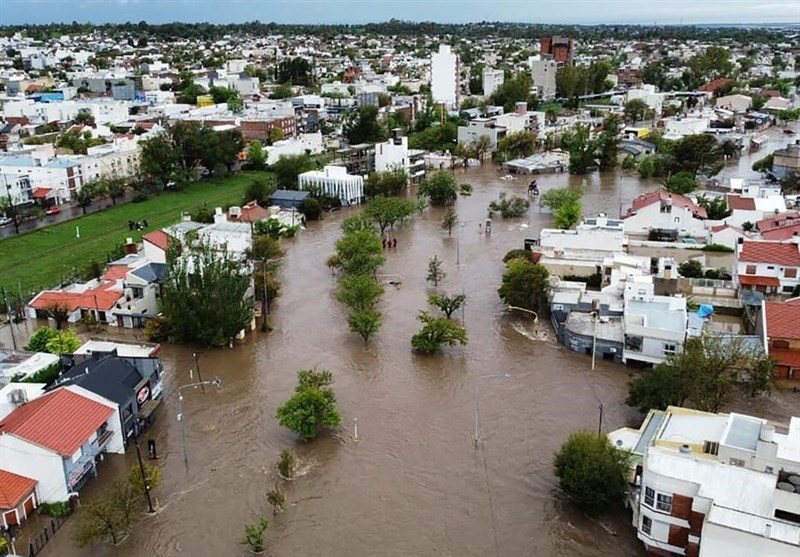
(600, 423)
(10, 319)
(145, 481)
(200, 377)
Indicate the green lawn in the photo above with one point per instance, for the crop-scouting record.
(38, 259)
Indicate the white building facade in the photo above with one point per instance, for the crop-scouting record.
(445, 77)
(335, 182)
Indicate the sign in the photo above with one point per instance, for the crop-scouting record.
(143, 395)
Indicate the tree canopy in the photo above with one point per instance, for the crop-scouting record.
(312, 407)
(437, 332)
(525, 285)
(440, 189)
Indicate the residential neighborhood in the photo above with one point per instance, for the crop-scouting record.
(550, 270)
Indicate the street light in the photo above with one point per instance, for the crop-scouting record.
(216, 382)
(458, 244)
(478, 378)
(595, 316)
(145, 481)
(535, 316)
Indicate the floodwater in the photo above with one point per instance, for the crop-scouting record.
(413, 482)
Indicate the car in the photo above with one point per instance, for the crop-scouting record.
(54, 210)
(5, 221)
(171, 185)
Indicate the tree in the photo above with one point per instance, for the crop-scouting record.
(63, 342)
(716, 207)
(516, 145)
(276, 134)
(359, 292)
(436, 273)
(482, 145)
(591, 471)
(254, 535)
(509, 207)
(387, 211)
(311, 407)
(447, 304)
(282, 91)
(259, 191)
(13, 209)
(203, 297)
(158, 159)
(264, 247)
(764, 165)
(435, 332)
(440, 189)
(582, 149)
(362, 126)
(256, 157)
(364, 322)
(609, 142)
(691, 269)
(525, 285)
(110, 517)
(565, 205)
(87, 194)
(286, 464)
(276, 499)
(635, 110)
(189, 94)
(697, 154)
(114, 188)
(511, 91)
(310, 209)
(222, 94)
(288, 167)
(681, 183)
(359, 253)
(703, 375)
(152, 474)
(386, 184)
(39, 339)
(449, 220)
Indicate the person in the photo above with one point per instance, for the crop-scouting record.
(394, 243)
(144, 222)
(384, 243)
(130, 224)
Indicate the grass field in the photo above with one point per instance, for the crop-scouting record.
(39, 259)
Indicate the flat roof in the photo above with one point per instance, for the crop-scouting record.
(693, 428)
(124, 349)
(743, 432)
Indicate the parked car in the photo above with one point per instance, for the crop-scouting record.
(5, 221)
(54, 210)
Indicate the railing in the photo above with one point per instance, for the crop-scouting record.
(38, 542)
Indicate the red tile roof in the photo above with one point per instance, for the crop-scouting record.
(783, 319)
(770, 252)
(721, 227)
(103, 297)
(647, 199)
(158, 238)
(251, 212)
(741, 203)
(751, 280)
(61, 421)
(782, 233)
(712, 86)
(14, 488)
(40, 193)
(783, 219)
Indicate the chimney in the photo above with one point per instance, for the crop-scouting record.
(219, 216)
(521, 108)
(130, 247)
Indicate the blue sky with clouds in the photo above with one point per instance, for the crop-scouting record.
(359, 11)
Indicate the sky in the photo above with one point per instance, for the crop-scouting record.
(361, 11)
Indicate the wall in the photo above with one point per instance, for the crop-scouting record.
(444, 77)
(27, 459)
(719, 540)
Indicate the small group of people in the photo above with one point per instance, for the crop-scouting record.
(533, 188)
(137, 225)
(387, 243)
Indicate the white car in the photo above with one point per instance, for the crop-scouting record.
(5, 221)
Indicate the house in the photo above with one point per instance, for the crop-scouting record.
(715, 87)
(665, 211)
(288, 199)
(769, 267)
(786, 161)
(394, 154)
(14, 395)
(57, 438)
(19, 364)
(155, 245)
(713, 484)
(136, 393)
(735, 103)
(250, 212)
(726, 235)
(780, 323)
(334, 181)
(478, 127)
(17, 498)
(655, 326)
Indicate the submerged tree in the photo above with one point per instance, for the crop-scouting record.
(436, 273)
(312, 407)
(436, 332)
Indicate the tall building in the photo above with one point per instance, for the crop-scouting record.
(445, 77)
(543, 75)
(559, 48)
(492, 79)
(706, 485)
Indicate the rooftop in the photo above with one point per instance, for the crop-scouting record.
(123, 349)
(783, 319)
(13, 488)
(754, 251)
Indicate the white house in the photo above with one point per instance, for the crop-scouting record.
(56, 439)
(714, 484)
(14, 395)
(445, 77)
(55, 177)
(735, 103)
(665, 211)
(299, 145)
(394, 154)
(482, 126)
(648, 94)
(335, 182)
(677, 127)
(491, 79)
(655, 326)
(726, 235)
(766, 266)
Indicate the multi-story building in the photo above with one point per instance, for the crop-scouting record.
(445, 77)
(786, 161)
(56, 177)
(543, 74)
(394, 154)
(491, 79)
(766, 266)
(707, 485)
(559, 48)
(334, 181)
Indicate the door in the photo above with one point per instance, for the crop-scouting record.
(29, 505)
(10, 517)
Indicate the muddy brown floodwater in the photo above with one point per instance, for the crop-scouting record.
(413, 483)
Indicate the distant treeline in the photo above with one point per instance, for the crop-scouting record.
(208, 31)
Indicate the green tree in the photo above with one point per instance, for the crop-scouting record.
(13, 209)
(359, 292)
(609, 142)
(681, 183)
(39, 339)
(152, 475)
(635, 110)
(449, 220)
(256, 156)
(114, 188)
(764, 165)
(288, 167)
(436, 272)
(516, 145)
(565, 205)
(582, 149)
(359, 253)
(697, 154)
(482, 145)
(310, 209)
(440, 189)
(363, 126)
(525, 284)
(254, 535)
(311, 407)
(438, 137)
(511, 91)
(259, 191)
(189, 94)
(387, 211)
(716, 207)
(222, 94)
(386, 184)
(364, 322)
(276, 134)
(447, 303)
(282, 91)
(509, 207)
(87, 194)
(110, 517)
(203, 297)
(276, 500)
(691, 269)
(64, 342)
(436, 332)
(592, 472)
(286, 464)
(158, 159)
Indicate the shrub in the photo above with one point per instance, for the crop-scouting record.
(47, 375)
(286, 464)
(56, 510)
(157, 329)
(509, 208)
(518, 254)
(310, 208)
(718, 248)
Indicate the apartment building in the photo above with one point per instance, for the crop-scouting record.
(445, 77)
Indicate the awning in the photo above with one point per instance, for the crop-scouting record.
(748, 280)
(149, 408)
(41, 193)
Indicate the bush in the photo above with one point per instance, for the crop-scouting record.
(157, 329)
(287, 463)
(628, 163)
(56, 510)
(509, 208)
(718, 248)
(310, 208)
(47, 375)
(593, 281)
(518, 254)
(691, 269)
(591, 471)
(39, 339)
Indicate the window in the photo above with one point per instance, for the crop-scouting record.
(664, 503)
(677, 219)
(737, 462)
(770, 268)
(633, 343)
(647, 524)
(788, 289)
(790, 273)
(649, 496)
(669, 349)
(710, 447)
(751, 270)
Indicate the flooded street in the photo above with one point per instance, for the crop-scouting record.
(413, 483)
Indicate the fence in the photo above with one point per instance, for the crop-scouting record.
(40, 540)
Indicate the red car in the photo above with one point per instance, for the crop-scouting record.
(54, 210)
